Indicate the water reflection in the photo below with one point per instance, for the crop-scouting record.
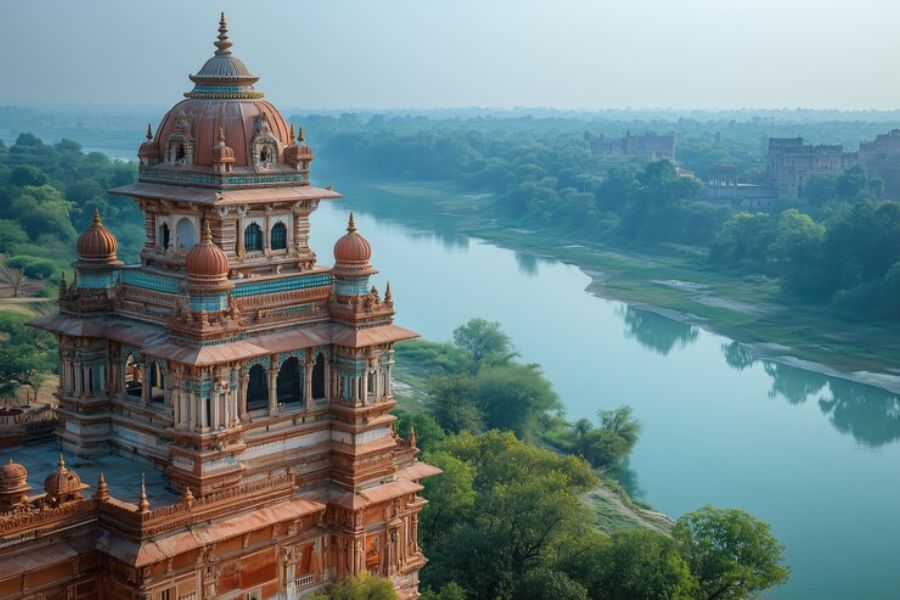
(656, 332)
(527, 263)
(738, 356)
(871, 415)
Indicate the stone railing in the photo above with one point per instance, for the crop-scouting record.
(125, 516)
(36, 516)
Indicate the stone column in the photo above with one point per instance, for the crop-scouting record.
(242, 394)
(307, 383)
(273, 391)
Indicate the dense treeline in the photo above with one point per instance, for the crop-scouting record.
(840, 244)
(48, 194)
(507, 519)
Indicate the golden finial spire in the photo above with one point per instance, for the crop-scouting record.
(143, 502)
(223, 44)
(300, 135)
(97, 222)
(207, 233)
(411, 437)
(351, 224)
(220, 134)
(102, 491)
(149, 132)
(62, 463)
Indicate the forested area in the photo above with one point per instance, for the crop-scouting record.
(508, 519)
(838, 246)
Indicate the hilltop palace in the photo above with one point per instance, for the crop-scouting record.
(249, 383)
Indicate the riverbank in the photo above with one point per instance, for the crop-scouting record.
(678, 285)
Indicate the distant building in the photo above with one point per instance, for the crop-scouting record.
(791, 162)
(881, 158)
(647, 146)
(722, 186)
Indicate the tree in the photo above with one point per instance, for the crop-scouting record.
(27, 175)
(451, 401)
(450, 496)
(611, 441)
(25, 352)
(526, 503)
(543, 583)
(644, 565)
(451, 591)
(730, 552)
(514, 397)
(484, 341)
(14, 278)
(361, 587)
(11, 234)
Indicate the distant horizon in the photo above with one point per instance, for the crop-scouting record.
(405, 55)
(162, 107)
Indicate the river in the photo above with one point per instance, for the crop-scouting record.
(815, 456)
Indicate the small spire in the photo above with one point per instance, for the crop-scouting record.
(388, 297)
(97, 222)
(102, 491)
(220, 134)
(300, 137)
(223, 44)
(351, 224)
(143, 502)
(187, 496)
(149, 132)
(61, 465)
(207, 233)
(292, 132)
(411, 437)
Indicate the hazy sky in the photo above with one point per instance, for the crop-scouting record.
(488, 53)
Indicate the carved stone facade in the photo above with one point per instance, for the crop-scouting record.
(255, 380)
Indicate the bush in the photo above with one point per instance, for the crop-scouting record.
(36, 268)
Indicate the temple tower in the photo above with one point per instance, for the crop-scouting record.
(257, 380)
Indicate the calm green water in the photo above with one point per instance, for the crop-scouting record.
(817, 457)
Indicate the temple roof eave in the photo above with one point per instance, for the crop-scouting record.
(224, 197)
(156, 342)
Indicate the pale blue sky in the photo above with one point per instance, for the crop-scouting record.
(490, 53)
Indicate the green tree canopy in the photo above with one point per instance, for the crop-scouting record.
(730, 552)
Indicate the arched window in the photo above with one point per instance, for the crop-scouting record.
(318, 378)
(278, 240)
(264, 155)
(164, 236)
(257, 388)
(253, 238)
(187, 236)
(289, 384)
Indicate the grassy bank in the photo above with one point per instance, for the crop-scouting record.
(676, 281)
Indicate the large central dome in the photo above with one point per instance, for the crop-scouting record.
(223, 97)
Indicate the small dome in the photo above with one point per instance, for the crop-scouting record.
(206, 260)
(352, 247)
(97, 243)
(13, 478)
(63, 482)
